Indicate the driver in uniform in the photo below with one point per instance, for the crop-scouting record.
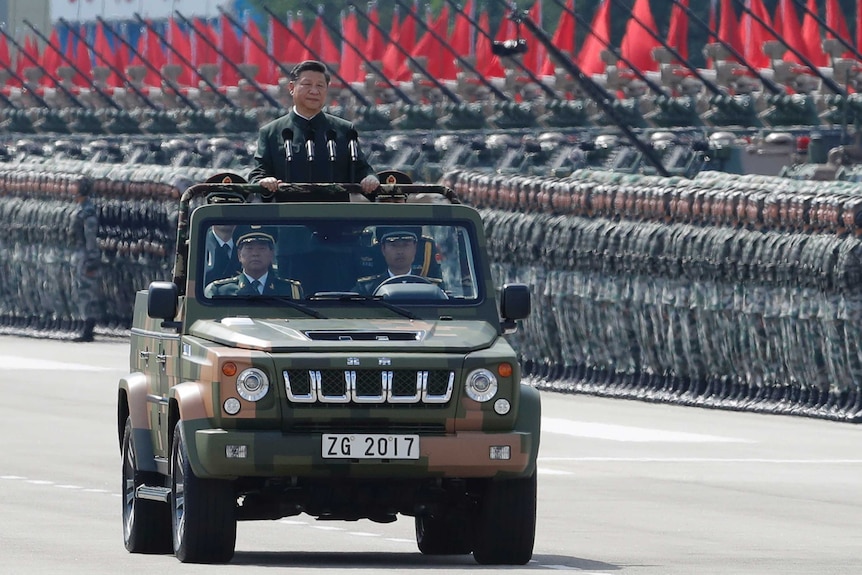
(399, 250)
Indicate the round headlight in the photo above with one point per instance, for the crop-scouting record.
(252, 384)
(481, 385)
(232, 406)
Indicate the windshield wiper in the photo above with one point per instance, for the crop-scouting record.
(353, 296)
(292, 303)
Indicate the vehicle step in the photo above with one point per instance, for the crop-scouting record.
(153, 493)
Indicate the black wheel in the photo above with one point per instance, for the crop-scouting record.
(204, 511)
(146, 524)
(446, 535)
(506, 526)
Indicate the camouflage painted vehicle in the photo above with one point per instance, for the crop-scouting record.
(321, 399)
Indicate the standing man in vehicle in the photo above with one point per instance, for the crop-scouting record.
(308, 144)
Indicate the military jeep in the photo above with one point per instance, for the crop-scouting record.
(356, 392)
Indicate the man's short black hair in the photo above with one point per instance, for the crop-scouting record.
(314, 66)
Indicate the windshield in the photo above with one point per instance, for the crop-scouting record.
(344, 261)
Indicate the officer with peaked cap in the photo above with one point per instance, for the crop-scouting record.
(398, 247)
(255, 250)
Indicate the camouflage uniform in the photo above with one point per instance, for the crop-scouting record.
(86, 260)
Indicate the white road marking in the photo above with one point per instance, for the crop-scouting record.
(15, 362)
(627, 433)
(68, 487)
(363, 534)
(546, 471)
(40, 482)
(701, 460)
(12, 477)
(327, 528)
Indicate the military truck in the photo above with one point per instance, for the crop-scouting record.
(333, 389)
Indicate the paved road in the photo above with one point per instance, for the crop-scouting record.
(624, 487)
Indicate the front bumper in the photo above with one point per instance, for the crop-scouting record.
(275, 454)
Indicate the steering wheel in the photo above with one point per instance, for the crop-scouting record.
(403, 279)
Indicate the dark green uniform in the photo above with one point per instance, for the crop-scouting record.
(368, 284)
(240, 285)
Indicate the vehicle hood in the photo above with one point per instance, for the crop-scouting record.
(337, 335)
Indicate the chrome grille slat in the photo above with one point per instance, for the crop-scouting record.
(400, 387)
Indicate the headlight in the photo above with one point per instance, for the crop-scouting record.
(481, 385)
(252, 384)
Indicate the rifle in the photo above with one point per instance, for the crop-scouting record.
(596, 92)
(831, 30)
(273, 102)
(773, 88)
(120, 74)
(828, 82)
(71, 64)
(184, 60)
(362, 99)
(617, 54)
(422, 70)
(464, 63)
(535, 79)
(709, 85)
(147, 63)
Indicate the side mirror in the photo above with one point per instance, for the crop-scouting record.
(162, 299)
(514, 305)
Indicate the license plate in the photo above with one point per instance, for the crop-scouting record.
(370, 446)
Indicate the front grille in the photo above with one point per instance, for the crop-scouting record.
(354, 426)
(336, 386)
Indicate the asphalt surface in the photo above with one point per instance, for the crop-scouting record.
(624, 487)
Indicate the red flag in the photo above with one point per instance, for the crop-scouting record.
(31, 48)
(351, 60)
(374, 45)
(534, 59)
(5, 58)
(430, 48)
(50, 58)
(489, 67)
(638, 43)
(462, 38)
(232, 50)
(836, 20)
(811, 36)
(405, 37)
(728, 29)
(564, 37)
(297, 48)
(677, 32)
(253, 54)
(791, 29)
(755, 35)
(182, 44)
(280, 41)
(156, 55)
(506, 31)
(321, 42)
(589, 58)
(203, 52)
(108, 57)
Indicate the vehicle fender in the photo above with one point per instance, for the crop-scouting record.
(192, 406)
(529, 421)
(134, 386)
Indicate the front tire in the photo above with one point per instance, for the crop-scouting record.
(506, 526)
(146, 524)
(204, 511)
